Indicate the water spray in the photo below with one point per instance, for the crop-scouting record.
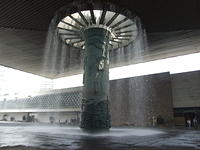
(96, 28)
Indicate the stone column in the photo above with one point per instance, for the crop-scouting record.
(95, 112)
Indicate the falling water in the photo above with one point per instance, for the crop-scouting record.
(62, 60)
(59, 60)
(132, 102)
(133, 53)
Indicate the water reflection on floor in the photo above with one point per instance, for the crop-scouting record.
(72, 138)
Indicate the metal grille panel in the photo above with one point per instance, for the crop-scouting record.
(51, 101)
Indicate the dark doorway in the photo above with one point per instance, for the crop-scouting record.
(189, 116)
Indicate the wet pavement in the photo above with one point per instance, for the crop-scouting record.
(25, 136)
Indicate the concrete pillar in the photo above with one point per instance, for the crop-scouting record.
(95, 112)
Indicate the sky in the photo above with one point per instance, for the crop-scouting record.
(17, 83)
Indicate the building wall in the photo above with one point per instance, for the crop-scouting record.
(186, 89)
(133, 101)
(136, 100)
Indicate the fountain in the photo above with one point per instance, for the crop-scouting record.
(96, 28)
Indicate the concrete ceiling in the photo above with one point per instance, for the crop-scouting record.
(24, 24)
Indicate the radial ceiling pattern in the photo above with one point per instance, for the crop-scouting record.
(123, 30)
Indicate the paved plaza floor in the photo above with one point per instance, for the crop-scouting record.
(25, 136)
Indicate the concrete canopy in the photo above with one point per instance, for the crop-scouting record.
(172, 29)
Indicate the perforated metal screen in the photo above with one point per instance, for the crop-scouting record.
(51, 101)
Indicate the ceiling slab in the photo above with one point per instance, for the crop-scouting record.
(173, 28)
(156, 15)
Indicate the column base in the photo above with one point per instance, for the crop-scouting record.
(96, 117)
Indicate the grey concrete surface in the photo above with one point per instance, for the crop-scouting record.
(186, 89)
(134, 101)
(26, 137)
